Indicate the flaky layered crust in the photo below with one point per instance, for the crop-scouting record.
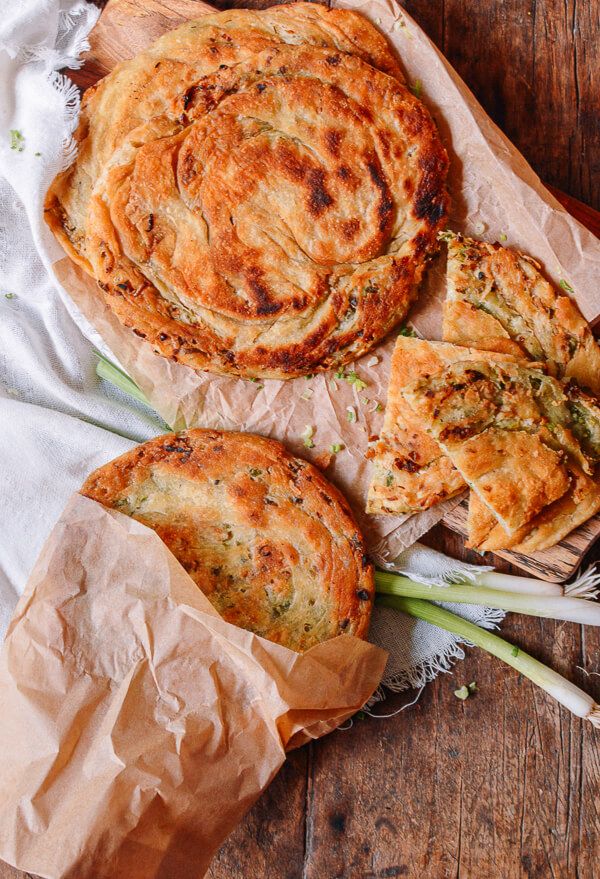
(258, 193)
(580, 503)
(410, 471)
(498, 300)
(267, 539)
(508, 429)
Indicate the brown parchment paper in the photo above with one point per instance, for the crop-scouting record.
(137, 725)
(495, 195)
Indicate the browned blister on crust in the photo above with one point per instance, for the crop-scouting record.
(498, 300)
(264, 535)
(257, 193)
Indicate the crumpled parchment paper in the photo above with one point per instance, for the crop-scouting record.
(137, 725)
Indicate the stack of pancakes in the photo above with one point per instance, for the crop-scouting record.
(257, 193)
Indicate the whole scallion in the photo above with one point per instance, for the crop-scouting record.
(556, 607)
(569, 695)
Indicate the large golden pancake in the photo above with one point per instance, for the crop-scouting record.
(257, 193)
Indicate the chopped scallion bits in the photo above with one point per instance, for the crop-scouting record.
(352, 378)
(565, 285)
(462, 692)
(351, 414)
(407, 331)
(307, 435)
(417, 88)
(17, 141)
(389, 480)
(503, 236)
(10, 295)
(336, 447)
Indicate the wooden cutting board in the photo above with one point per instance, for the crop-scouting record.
(124, 28)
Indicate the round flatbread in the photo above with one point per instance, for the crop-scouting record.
(258, 193)
(268, 540)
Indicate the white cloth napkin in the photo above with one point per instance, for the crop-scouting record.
(57, 420)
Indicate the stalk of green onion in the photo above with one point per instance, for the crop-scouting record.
(575, 610)
(111, 373)
(511, 583)
(585, 586)
(569, 695)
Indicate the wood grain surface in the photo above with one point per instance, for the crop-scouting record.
(505, 785)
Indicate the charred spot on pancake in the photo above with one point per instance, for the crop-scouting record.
(319, 197)
(188, 96)
(386, 204)
(430, 197)
(265, 305)
(333, 139)
(350, 228)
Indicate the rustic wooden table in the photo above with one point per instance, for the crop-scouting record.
(506, 784)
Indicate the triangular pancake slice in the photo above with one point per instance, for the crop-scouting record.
(506, 427)
(410, 472)
(498, 300)
(579, 504)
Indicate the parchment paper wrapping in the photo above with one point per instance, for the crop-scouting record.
(494, 194)
(138, 726)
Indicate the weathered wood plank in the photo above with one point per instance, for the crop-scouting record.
(533, 65)
(273, 832)
(505, 785)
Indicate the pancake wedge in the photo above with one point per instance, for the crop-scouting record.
(576, 506)
(410, 471)
(498, 300)
(507, 429)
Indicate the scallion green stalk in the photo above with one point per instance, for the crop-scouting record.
(587, 585)
(569, 695)
(111, 373)
(511, 583)
(575, 610)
